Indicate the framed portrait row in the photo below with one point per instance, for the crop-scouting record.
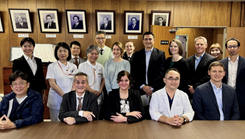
(77, 21)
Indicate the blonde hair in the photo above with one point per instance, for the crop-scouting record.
(119, 44)
(215, 45)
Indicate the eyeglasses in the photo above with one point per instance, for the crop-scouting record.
(234, 46)
(22, 83)
(173, 79)
(100, 38)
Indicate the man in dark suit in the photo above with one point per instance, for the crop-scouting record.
(235, 72)
(75, 47)
(148, 69)
(20, 23)
(134, 24)
(79, 106)
(49, 24)
(198, 65)
(106, 25)
(215, 100)
(78, 24)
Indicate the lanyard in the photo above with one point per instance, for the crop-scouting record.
(66, 70)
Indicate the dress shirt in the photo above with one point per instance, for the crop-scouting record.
(147, 60)
(73, 57)
(32, 63)
(80, 113)
(198, 59)
(218, 96)
(232, 72)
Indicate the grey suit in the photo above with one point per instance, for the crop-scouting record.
(81, 60)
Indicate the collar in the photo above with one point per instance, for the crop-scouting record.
(80, 96)
(74, 56)
(150, 50)
(26, 57)
(62, 65)
(214, 86)
(91, 65)
(102, 48)
(200, 56)
(229, 59)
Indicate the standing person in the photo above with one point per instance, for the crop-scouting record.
(114, 66)
(198, 64)
(216, 51)
(147, 69)
(105, 52)
(235, 72)
(94, 70)
(75, 51)
(32, 66)
(179, 63)
(129, 47)
(60, 76)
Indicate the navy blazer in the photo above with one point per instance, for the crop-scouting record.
(240, 80)
(206, 107)
(68, 107)
(155, 69)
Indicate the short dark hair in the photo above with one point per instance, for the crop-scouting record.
(49, 16)
(80, 74)
(100, 32)
(76, 16)
(64, 45)
(216, 63)
(134, 18)
(232, 39)
(27, 39)
(76, 43)
(171, 69)
(179, 44)
(106, 17)
(159, 17)
(123, 73)
(17, 74)
(148, 33)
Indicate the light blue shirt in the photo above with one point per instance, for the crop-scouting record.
(218, 95)
(197, 60)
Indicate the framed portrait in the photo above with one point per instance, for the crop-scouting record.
(76, 21)
(1, 24)
(160, 18)
(20, 19)
(105, 20)
(48, 19)
(133, 22)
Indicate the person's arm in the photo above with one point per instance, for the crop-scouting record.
(6, 124)
(107, 76)
(15, 66)
(188, 111)
(109, 107)
(198, 106)
(101, 86)
(154, 109)
(235, 114)
(158, 81)
(174, 121)
(56, 88)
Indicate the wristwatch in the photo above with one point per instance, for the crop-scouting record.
(184, 120)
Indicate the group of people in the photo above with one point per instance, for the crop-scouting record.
(127, 86)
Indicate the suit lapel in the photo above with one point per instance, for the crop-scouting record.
(226, 69)
(240, 64)
(202, 61)
(224, 97)
(26, 65)
(74, 100)
(211, 93)
(152, 57)
(85, 100)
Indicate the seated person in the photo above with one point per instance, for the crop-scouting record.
(124, 104)
(79, 106)
(215, 100)
(23, 106)
(171, 105)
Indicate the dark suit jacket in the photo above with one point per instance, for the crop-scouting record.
(53, 25)
(79, 26)
(130, 27)
(155, 69)
(206, 107)
(68, 107)
(24, 25)
(125, 56)
(240, 80)
(108, 27)
(37, 82)
(135, 104)
(200, 75)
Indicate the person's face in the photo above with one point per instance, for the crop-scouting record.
(19, 87)
(100, 40)
(200, 46)
(215, 52)
(148, 41)
(216, 73)
(28, 49)
(105, 20)
(75, 19)
(116, 51)
(129, 46)
(172, 80)
(80, 83)
(160, 20)
(133, 21)
(62, 53)
(49, 19)
(93, 56)
(75, 50)
(232, 48)
(124, 82)
(174, 49)
(19, 19)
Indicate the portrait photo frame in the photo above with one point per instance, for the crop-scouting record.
(160, 18)
(49, 20)
(76, 21)
(105, 21)
(133, 22)
(1, 24)
(20, 19)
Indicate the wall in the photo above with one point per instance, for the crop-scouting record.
(183, 13)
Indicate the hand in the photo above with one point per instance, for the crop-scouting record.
(44, 97)
(69, 120)
(119, 118)
(147, 90)
(191, 89)
(88, 115)
(136, 114)
(98, 92)
(6, 124)
(175, 121)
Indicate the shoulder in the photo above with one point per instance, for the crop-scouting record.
(190, 58)
(158, 93)
(99, 65)
(210, 57)
(134, 92)
(114, 93)
(126, 62)
(242, 58)
(224, 60)
(72, 64)
(160, 52)
(20, 59)
(182, 94)
(69, 94)
(203, 86)
(228, 88)
(90, 95)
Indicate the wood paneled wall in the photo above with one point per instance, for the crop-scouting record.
(183, 13)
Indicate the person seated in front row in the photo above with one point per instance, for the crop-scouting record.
(170, 105)
(215, 100)
(23, 106)
(79, 106)
(124, 104)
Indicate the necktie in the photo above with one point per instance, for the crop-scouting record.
(129, 58)
(76, 61)
(101, 51)
(80, 104)
(105, 26)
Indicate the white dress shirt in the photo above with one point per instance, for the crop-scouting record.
(232, 72)
(80, 113)
(32, 63)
